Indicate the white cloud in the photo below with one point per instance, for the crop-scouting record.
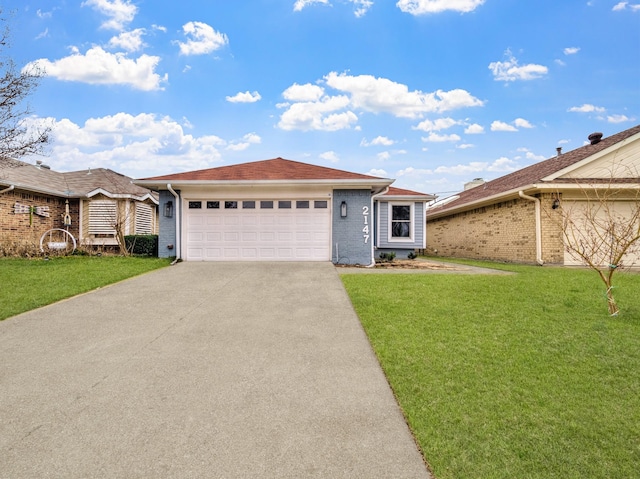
(377, 172)
(202, 39)
(43, 34)
(618, 118)
(421, 7)
(313, 109)
(330, 156)
(98, 67)
(319, 115)
(435, 138)
(509, 70)
(522, 123)
(377, 141)
(246, 97)
(129, 41)
(361, 6)
(306, 92)
(300, 4)
(119, 12)
(131, 145)
(623, 6)
(247, 140)
(465, 146)
(474, 129)
(502, 126)
(42, 14)
(436, 125)
(381, 95)
(571, 50)
(383, 156)
(529, 155)
(587, 108)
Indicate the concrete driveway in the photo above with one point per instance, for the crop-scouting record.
(225, 370)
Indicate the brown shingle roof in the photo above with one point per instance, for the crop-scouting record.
(74, 184)
(276, 169)
(393, 191)
(531, 174)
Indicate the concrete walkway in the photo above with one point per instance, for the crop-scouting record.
(227, 370)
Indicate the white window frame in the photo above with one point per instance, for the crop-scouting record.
(390, 237)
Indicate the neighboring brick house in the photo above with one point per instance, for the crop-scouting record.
(35, 198)
(518, 217)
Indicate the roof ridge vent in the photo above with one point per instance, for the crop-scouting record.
(595, 137)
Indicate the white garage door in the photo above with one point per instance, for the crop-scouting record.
(258, 230)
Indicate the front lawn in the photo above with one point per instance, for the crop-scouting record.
(519, 376)
(27, 284)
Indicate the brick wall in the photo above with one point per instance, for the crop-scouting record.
(16, 228)
(505, 231)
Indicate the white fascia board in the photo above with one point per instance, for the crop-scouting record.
(121, 196)
(585, 185)
(591, 158)
(357, 184)
(405, 198)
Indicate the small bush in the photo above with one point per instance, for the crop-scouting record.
(388, 257)
(143, 245)
(412, 255)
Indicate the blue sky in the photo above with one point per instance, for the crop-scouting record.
(432, 93)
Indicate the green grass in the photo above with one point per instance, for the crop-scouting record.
(518, 376)
(27, 284)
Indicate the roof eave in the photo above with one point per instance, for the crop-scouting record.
(355, 183)
(505, 195)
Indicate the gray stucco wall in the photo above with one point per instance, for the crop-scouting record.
(167, 230)
(349, 243)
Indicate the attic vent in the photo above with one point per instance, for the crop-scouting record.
(595, 137)
(473, 183)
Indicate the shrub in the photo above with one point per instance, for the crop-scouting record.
(412, 255)
(143, 245)
(388, 257)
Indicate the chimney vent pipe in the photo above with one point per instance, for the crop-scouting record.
(595, 137)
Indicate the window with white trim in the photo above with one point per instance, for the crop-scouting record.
(103, 215)
(144, 219)
(401, 222)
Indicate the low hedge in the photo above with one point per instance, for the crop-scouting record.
(143, 245)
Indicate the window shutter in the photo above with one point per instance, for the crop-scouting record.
(102, 217)
(144, 219)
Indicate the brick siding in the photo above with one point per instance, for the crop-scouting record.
(504, 231)
(15, 228)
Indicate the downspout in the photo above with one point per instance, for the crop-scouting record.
(539, 259)
(178, 228)
(374, 232)
(7, 190)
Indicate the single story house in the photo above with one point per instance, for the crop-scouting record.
(88, 204)
(519, 217)
(283, 210)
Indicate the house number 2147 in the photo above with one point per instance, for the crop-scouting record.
(365, 230)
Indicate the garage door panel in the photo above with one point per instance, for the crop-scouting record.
(258, 234)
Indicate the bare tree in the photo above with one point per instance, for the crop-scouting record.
(602, 229)
(17, 137)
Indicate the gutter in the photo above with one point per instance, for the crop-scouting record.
(7, 190)
(539, 259)
(178, 228)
